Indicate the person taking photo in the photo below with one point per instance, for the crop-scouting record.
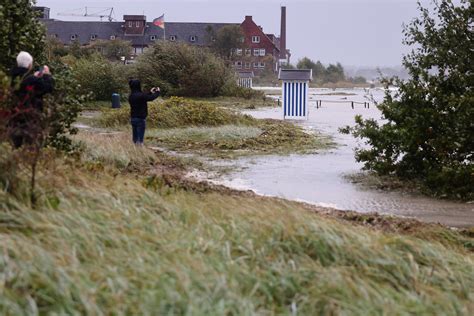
(139, 109)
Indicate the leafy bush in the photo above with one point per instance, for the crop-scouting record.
(100, 78)
(183, 70)
(428, 130)
(233, 90)
(19, 30)
(179, 112)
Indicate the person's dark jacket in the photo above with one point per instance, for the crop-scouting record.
(138, 100)
(31, 88)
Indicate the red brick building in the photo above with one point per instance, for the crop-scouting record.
(259, 51)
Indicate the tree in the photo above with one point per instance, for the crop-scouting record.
(334, 73)
(428, 133)
(20, 30)
(226, 40)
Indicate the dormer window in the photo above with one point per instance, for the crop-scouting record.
(112, 37)
(153, 37)
(255, 39)
(93, 37)
(73, 37)
(193, 38)
(173, 38)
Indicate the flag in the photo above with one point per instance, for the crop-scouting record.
(160, 22)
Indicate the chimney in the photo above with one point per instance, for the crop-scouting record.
(248, 18)
(283, 34)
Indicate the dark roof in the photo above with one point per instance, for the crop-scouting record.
(245, 74)
(183, 31)
(296, 74)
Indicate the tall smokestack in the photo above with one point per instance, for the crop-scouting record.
(283, 34)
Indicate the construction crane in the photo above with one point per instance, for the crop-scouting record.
(89, 12)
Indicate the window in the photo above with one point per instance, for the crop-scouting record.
(238, 64)
(138, 50)
(93, 37)
(130, 24)
(255, 65)
(213, 39)
(172, 38)
(73, 37)
(255, 39)
(193, 38)
(153, 37)
(242, 39)
(247, 65)
(238, 51)
(261, 65)
(256, 52)
(137, 24)
(112, 37)
(248, 52)
(262, 52)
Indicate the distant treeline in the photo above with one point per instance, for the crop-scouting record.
(330, 74)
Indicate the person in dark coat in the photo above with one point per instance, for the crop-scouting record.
(139, 109)
(30, 88)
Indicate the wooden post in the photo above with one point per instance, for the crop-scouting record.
(352, 104)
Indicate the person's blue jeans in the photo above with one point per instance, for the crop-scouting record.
(138, 129)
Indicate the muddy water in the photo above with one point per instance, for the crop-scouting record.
(319, 178)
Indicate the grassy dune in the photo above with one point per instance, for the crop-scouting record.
(217, 129)
(110, 237)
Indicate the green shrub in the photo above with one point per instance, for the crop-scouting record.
(427, 128)
(183, 70)
(100, 78)
(233, 90)
(179, 112)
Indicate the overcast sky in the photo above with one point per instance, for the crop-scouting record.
(353, 32)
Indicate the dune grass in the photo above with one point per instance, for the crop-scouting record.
(231, 141)
(212, 129)
(178, 112)
(107, 242)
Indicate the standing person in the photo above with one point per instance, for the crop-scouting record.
(25, 123)
(139, 109)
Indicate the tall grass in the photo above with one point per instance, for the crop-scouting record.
(179, 112)
(110, 245)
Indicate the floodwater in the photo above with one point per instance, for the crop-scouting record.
(319, 178)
